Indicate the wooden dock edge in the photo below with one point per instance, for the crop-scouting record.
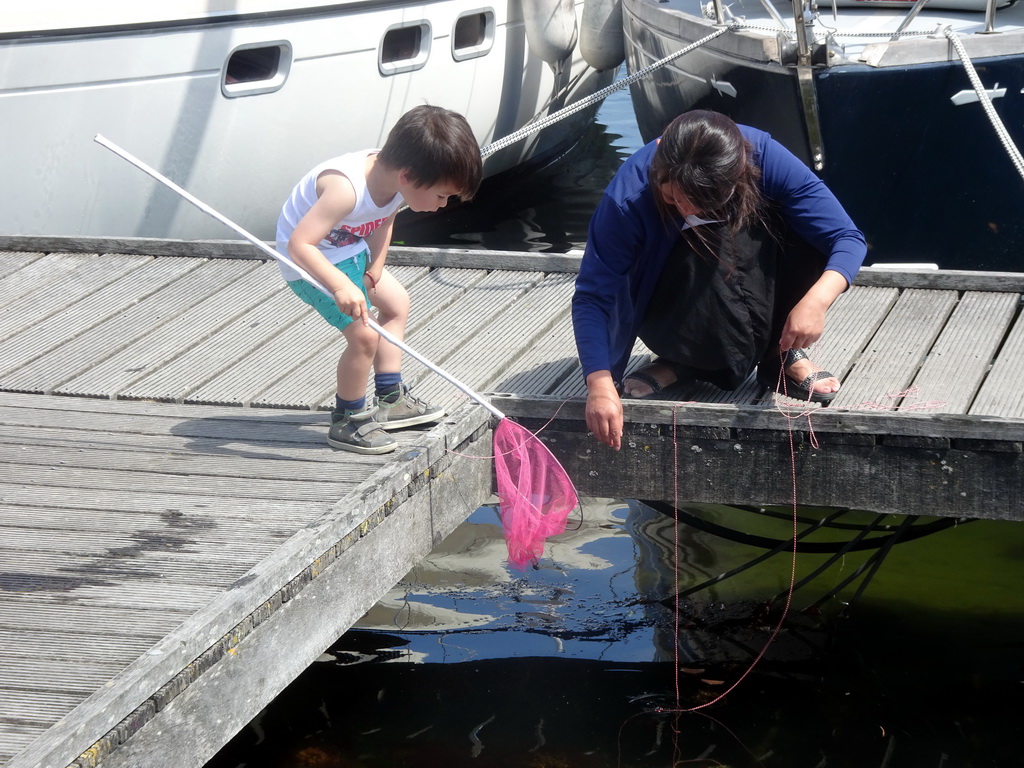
(925, 278)
(194, 690)
(885, 462)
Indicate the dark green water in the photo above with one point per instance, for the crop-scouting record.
(468, 663)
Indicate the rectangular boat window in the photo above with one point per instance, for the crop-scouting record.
(473, 34)
(405, 47)
(256, 68)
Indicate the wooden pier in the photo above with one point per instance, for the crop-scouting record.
(178, 542)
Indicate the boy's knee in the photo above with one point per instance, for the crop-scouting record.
(392, 300)
(361, 338)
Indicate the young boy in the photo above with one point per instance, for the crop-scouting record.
(336, 225)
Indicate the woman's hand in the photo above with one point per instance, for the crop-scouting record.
(806, 321)
(804, 326)
(604, 409)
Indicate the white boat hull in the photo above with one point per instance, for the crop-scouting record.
(165, 93)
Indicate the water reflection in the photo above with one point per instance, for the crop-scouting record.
(578, 602)
(572, 663)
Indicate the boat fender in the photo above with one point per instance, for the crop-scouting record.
(550, 29)
(601, 39)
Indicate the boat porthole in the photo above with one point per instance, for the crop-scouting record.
(256, 68)
(473, 34)
(404, 48)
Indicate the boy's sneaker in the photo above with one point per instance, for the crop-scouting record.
(406, 411)
(358, 431)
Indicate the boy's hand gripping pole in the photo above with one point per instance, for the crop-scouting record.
(103, 141)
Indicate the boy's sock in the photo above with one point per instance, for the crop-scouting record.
(388, 386)
(349, 405)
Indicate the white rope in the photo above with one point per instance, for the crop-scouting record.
(605, 92)
(595, 97)
(986, 102)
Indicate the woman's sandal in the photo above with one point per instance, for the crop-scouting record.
(804, 390)
(643, 375)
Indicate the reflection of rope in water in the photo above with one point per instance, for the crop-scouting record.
(904, 532)
(883, 545)
(819, 547)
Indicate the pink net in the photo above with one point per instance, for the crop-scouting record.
(535, 494)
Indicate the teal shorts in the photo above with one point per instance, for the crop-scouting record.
(324, 304)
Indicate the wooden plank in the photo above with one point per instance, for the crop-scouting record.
(250, 433)
(500, 345)
(174, 540)
(170, 455)
(79, 563)
(312, 384)
(250, 678)
(300, 460)
(573, 386)
(164, 344)
(27, 713)
(256, 322)
(68, 678)
(248, 429)
(890, 480)
(171, 543)
(14, 261)
(851, 322)
(24, 613)
(748, 392)
(77, 355)
(218, 569)
(89, 274)
(25, 273)
(273, 360)
(520, 261)
(32, 707)
(961, 357)
(207, 249)
(127, 500)
(911, 277)
(47, 475)
(441, 337)
(853, 318)
(551, 361)
(39, 643)
(655, 416)
(942, 280)
(213, 524)
(104, 303)
(435, 462)
(268, 363)
(891, 360)
(1002, 393)
(13, 737)
(123, 594)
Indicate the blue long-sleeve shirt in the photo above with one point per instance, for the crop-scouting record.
(628, 242)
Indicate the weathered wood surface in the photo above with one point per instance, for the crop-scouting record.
(143, 545)
(166, 486)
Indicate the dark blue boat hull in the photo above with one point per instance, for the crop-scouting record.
(926, 180)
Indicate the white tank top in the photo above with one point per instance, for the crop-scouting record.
(346, 238)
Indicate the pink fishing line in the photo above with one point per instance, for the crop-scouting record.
(535, 495)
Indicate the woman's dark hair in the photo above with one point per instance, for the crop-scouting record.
(435, 145)
(705, 156)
